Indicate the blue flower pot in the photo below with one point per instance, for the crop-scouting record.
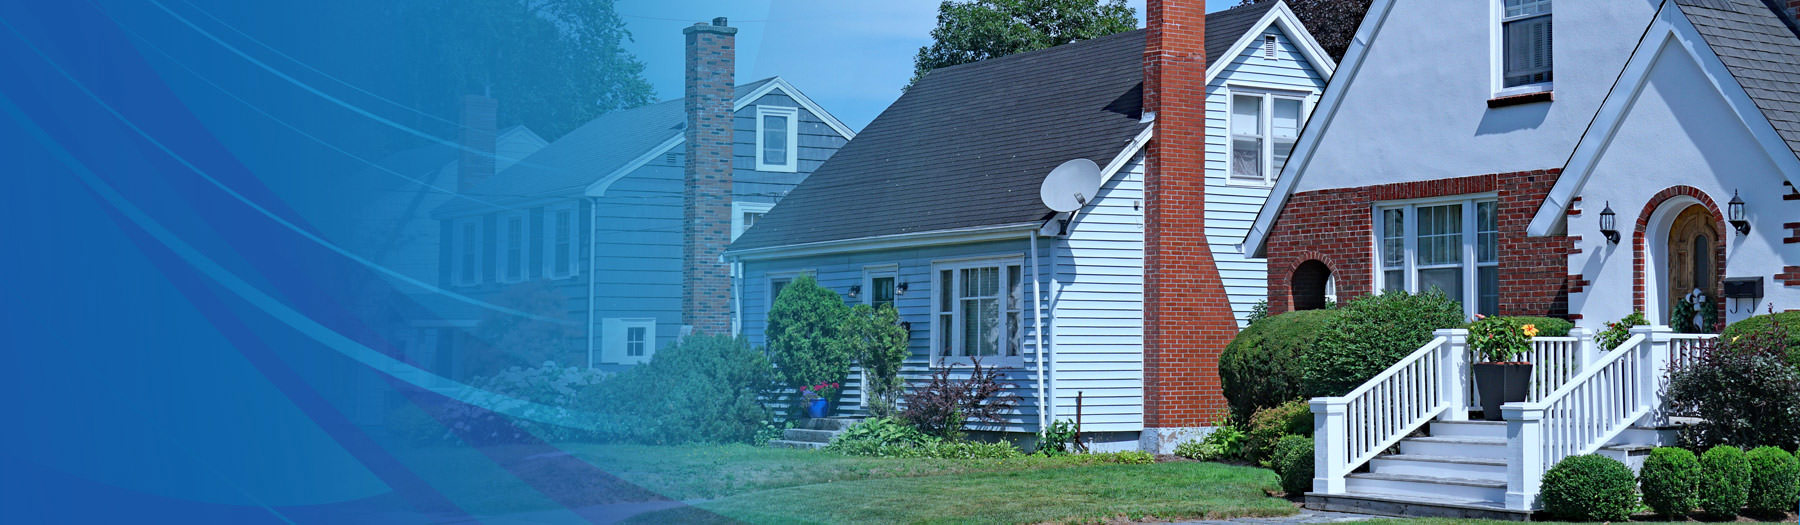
(816, 409)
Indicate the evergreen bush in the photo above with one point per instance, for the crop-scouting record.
(1787, 324)
(1268, 426)
(1724, 481)
(803, 333)
(1371, 333)
(1293, 461)
(1774, 481)
(1670, 481)
(704, 388)
(1261, 366)
(1589, 488)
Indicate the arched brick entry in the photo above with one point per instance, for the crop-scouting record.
(1307, 284)
(1640, 246)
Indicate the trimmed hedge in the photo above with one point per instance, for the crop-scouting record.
(1670, 481)
(1371, 333)
(1270, 424)
(1293, 461)
(1724, 481)
(1788, 321)
(1774, 481)
(1261, 366)
(1589, 488)
(702, 389)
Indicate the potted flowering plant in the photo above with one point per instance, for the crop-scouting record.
(1499, 379)
(818, 398)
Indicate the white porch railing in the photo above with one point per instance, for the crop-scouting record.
(1685, 349)
(1554, 361)
(1613, 393)
(1360, 425)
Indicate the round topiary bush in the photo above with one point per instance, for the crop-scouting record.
(1372, 333)
(1293, 461)
(1787, 323)
(1589, 488)
(1261, 366)
(1774, 481)
(1268, 425)
(1724, 481)
(1670, 481)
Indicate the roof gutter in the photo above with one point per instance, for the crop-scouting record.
(881, 242)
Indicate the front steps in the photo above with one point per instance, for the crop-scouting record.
(1457, 470)
(813, 433)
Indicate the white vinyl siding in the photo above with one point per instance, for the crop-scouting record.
(1449, 245)
(1526, 43)
(1098, 295)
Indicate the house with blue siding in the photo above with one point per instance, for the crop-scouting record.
(613, 231)
(935, 209)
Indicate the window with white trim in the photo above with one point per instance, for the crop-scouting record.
(1264, 127)
(628, 341)
(465, 251)
(562, 238)
(777, 138)
(977, 311)
(514, 241)
(1450, 245)
(1526, 59)
(745, 214)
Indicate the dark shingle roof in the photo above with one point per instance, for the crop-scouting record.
(589, 152)
(1224, 28)
(967, 145)
(1761, 49)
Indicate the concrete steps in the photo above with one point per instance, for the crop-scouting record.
(813, 433)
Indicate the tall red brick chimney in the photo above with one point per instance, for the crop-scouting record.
(706, 188)
(1187, 317)
(475, 163)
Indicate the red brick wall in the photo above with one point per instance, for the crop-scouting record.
(1187, 317)
(706, 191)
(1789, 276)
(1336, 227)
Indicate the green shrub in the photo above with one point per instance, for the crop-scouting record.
(1670, 481)
(1056, 439)
(1724, 481)
(1268, 426)
(868, 436)
(704, 388)
(1261, 366)
(1372, 333)
(1774, 481)
(1225, 442)
(1743, 391)
(1547, 326)
(876, 340)
(1589, 488)
(1617, 332)
(803, 333)
(1498, 339)
(1293, 461)
(1787, 322)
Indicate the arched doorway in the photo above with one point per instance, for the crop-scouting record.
(1311, 286)
(1679, 247)
(1689, 258)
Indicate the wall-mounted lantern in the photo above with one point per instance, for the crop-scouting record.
(1609, 224)
(900, 289)
(1736, 209)
(855, 290)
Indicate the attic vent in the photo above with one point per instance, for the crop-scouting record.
(1269, 47)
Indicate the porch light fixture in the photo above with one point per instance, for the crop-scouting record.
(900, 289)
(1609, 224)
(1736, 207)
(855, 290)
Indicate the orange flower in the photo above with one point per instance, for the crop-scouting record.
(1530, 330)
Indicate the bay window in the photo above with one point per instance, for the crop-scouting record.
(1449, 245)
(977, 311)
(1264, 127)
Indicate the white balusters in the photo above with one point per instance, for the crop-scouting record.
(1360, 425)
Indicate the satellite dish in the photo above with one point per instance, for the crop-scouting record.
(1071, 185)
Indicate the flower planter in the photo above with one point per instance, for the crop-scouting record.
(1501, 383)
(817, 408)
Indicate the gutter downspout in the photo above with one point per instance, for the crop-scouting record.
(1037, 317)
(593, 267)
(737, 298)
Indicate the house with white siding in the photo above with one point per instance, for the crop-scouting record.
(935, 209)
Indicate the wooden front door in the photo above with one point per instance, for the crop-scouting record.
(1690, 253)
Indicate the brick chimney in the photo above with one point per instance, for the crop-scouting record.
(475, 163)
(1187, 317)
(706, 187)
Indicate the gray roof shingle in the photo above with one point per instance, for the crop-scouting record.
(1761, 48)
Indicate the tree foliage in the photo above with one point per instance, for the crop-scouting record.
(1332, 22)
(875, 339)
(804, 327)
(982, 29)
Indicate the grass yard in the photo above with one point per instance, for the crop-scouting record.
(764, 485)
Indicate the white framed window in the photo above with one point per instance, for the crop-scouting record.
(777, 138)
(562, 240)
(628, 341)
(1264, 127)
(1448, 244)
(745, 214)
(1524, 46)
(465, 251)
(976, 311)
(878, 284)
(514, 242)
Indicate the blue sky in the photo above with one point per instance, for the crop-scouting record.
(850, 56)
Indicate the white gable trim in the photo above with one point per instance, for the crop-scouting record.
(1284, 18)
(1318, 123)
(599, 187)
(1670, 31)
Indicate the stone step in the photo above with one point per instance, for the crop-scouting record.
(783, 443)
(810, 435)
(1440, 466)
(1413, 507)
(1469, 428)
(827, 423)
(1456, 446)
(1406, 486)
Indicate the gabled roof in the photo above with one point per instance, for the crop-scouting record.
(967, 146)
(1752, 54)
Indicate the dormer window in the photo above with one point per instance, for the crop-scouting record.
(777, 138)
(1525, 45)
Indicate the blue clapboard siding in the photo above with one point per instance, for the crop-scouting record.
(1098, 304)
(1231, 208)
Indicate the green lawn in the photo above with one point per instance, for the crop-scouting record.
(763, 485)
